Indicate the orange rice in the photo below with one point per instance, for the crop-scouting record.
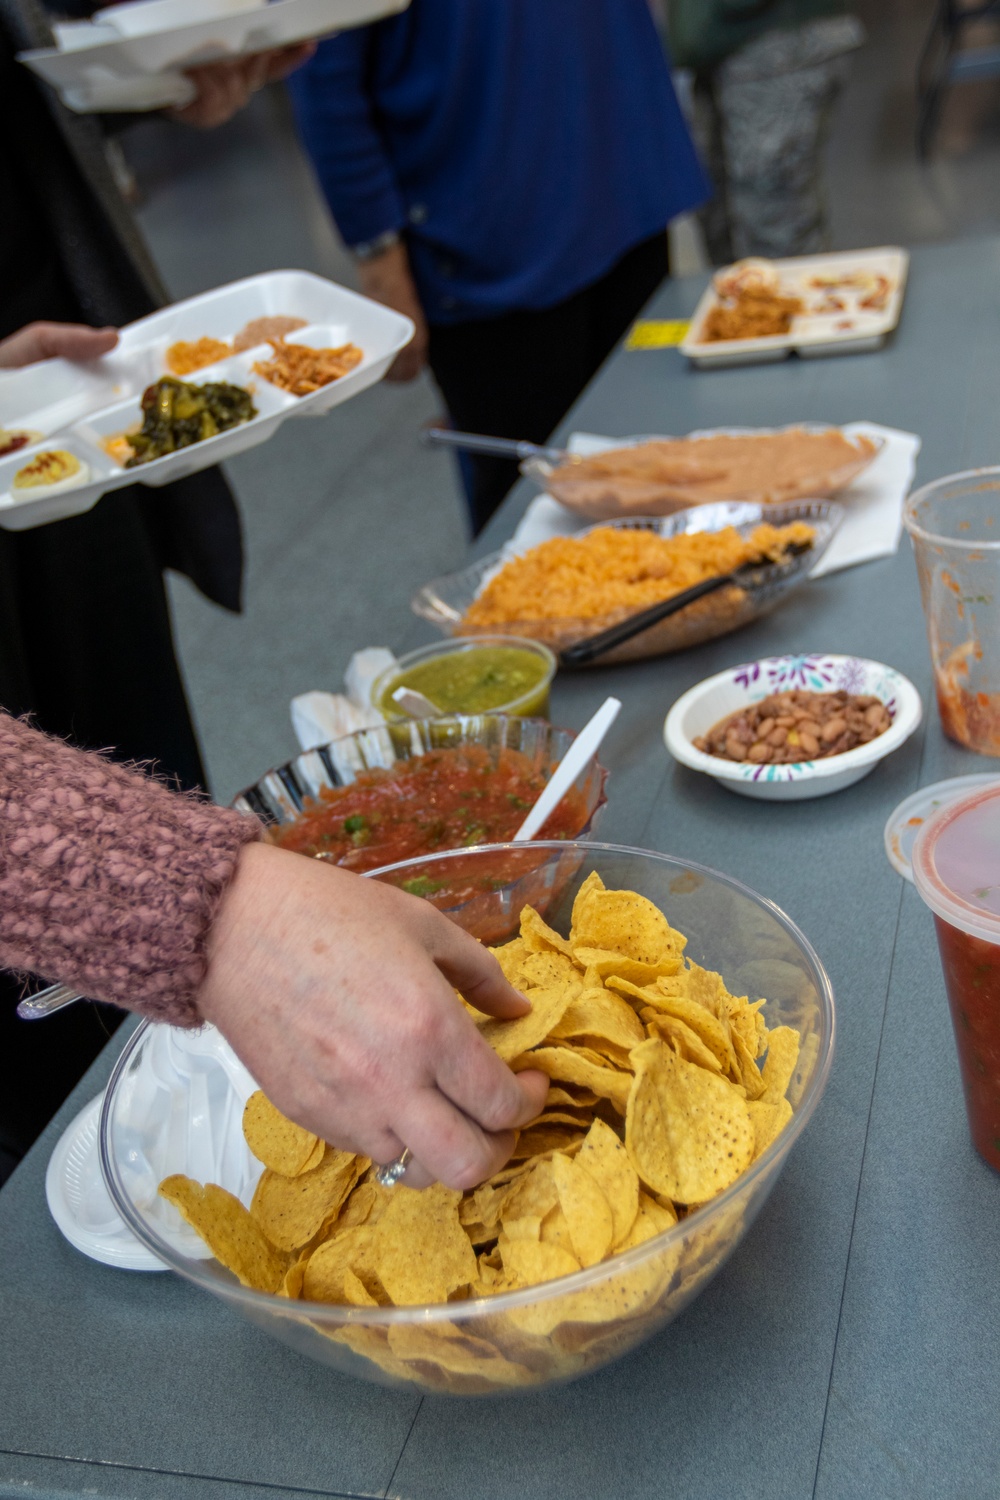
(617, 570)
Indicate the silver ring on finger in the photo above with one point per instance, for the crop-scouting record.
(390, 1174)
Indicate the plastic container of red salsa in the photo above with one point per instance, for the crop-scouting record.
(956, 869)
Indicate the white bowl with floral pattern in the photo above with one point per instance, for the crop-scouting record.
(695, 713)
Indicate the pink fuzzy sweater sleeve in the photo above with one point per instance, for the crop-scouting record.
(108, 881)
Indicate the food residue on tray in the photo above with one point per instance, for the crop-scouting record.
(756, 313)
(300, 369)
(118, 446)
(788, 728)
(262, 330)
(184, 358)
(664, 1088)
(12, 440)
(667, 474)
(754, 299)
(175, 415)
(52, 470)
(620, 570)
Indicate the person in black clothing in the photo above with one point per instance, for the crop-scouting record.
(86, 646)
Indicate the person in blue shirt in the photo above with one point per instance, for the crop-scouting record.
(504, 171)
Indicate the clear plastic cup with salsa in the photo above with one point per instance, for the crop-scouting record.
(956, 869)
(473, 675)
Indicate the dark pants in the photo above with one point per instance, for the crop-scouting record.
(517, 375)
(86, 648)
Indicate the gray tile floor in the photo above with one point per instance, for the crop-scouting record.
(346, 516)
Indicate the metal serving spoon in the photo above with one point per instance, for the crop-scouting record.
(496, 447)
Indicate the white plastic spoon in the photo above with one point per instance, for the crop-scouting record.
(416, 704)
(586, 744)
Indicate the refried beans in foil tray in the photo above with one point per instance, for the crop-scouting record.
(656, 478)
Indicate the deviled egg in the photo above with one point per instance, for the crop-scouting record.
(52, 470)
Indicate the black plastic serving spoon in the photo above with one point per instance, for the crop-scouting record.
(750, 577)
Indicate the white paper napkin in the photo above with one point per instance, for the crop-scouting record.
(873, 504)
(319, 717)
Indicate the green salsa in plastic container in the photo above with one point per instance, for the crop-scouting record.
(473, 675)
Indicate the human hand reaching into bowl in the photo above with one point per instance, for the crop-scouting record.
(338, 995)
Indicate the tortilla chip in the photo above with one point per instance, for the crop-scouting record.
(228, 1231)
(687, 1131)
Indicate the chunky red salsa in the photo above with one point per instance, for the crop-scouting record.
(972, 978)
(445, 799)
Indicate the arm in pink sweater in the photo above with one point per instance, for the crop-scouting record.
(108, 881)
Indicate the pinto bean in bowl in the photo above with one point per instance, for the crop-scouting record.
(796, 726)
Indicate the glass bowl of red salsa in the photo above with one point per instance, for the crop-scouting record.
(956, 871)
(402, 791)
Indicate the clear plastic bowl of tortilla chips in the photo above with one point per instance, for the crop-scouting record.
(616, 1209)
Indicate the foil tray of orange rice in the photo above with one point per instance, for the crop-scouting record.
(571, 587)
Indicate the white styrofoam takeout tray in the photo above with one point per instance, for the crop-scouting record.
(851, 329)
(76, 406)
(96, 67)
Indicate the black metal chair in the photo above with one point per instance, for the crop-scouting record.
(945, 61)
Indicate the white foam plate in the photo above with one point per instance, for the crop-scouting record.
(76, 406)
(181, 1111)
(90, 67)
(851, 329)
(79, 1201)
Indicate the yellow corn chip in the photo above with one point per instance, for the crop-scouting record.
(768, 1118)
(597, 1013)
(779, 1065)
(651, 1219)
(555, 1230)
(448, 1346)
(681, 1037)
(510, 957)
(528, 1262)
(592, 883)
(701, 1021)
(531, 1195)
(567, 1066)
(422, 1253)
(228, 1231)
(537, 935)
(687, 1131)
(587, 1211)
(291, 1210)
(749, 1073)
(605, 1158)
(541, 1140)
(625, 922)
(276, 1141)
(558, 1096)
(509, 1039)
(550, 970)
(326, 1268)
(355, 1291)
(600, 963)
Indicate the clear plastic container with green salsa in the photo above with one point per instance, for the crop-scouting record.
(473, 675)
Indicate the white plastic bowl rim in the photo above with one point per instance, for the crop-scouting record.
(822, 673)
(337, 1315)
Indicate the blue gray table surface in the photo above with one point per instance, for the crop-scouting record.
(851, 1347)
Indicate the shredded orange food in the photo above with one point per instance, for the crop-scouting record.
(300, 370)
(617, 570)
(183, 358)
